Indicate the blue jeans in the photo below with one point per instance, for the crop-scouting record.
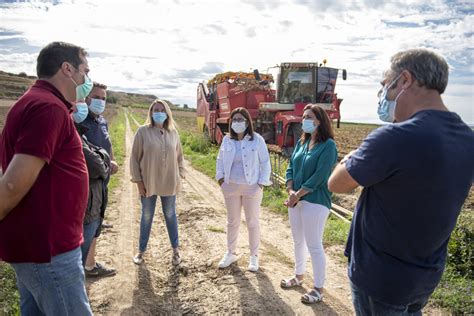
(54, 288)
(365, 304)
(148, 210)
(89, 233)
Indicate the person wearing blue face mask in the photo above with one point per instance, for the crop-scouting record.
(415, 173)
(309, 200)
(96, 130)
(156, 166)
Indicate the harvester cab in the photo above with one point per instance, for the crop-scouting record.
(309, 83)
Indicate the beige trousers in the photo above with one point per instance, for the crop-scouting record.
(249, 197)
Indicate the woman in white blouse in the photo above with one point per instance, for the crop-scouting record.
(242, 169)
(156, 166)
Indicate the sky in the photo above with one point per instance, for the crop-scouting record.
(166, 48)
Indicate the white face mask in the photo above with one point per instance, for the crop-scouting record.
(239, 127)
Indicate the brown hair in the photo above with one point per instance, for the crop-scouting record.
(99, 85)
(246, 115)
(324, 129)
(53, 55)
(169, 123)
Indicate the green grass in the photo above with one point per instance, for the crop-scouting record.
(9, 297)
(455, 292)
(117, 135)
(456, 289)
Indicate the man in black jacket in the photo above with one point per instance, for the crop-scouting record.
(98, 166)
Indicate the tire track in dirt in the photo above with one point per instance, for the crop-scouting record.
(197, 286)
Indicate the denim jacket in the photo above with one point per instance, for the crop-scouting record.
(255, 158)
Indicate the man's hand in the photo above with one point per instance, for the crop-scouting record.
(141, 188)
(114, 167)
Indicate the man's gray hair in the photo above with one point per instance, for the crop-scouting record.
(429, 69)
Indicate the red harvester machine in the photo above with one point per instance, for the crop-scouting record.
(276, 116)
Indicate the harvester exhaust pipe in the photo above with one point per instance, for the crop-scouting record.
(256, 74)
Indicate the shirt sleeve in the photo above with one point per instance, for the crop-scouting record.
(136, 156)
(42, 130)
(375, 159)
(326, 162)
(265, 165)
(219, 162)
(96, 165)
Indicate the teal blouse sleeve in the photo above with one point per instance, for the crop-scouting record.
(326, 161)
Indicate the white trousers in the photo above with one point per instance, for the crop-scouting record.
(307, 222)
(249, 197)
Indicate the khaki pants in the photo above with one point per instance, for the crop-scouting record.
(249, 197)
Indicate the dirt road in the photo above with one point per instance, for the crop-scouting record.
(197, 286)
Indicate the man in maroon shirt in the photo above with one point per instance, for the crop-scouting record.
(44, 187)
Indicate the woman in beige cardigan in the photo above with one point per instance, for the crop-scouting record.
(156, 165)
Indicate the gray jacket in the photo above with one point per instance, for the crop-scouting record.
(98, 166)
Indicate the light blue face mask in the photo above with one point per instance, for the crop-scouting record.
(97, 106)
(83, 90)
(308, 126)
(159, 117)
(80, 115)
(386, 109)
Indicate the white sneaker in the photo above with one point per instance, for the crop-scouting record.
(253, 264)
(227, 260)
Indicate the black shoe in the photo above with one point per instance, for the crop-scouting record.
(100, 271)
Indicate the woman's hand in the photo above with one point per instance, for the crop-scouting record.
(141, 188)
(292, 198)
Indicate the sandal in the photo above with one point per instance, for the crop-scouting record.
(289, 283)
(313, 296)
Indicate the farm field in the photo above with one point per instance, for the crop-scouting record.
(197, 286)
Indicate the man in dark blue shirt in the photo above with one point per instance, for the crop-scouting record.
(97, 133)
(416, 174)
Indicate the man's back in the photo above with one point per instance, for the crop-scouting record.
(416, 176)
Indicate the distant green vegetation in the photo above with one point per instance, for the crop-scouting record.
(117, 135)
(9, 297)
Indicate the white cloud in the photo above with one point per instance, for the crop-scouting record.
(167, 47)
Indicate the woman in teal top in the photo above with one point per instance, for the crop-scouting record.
(309, 199)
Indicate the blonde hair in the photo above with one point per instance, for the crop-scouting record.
(169, 124)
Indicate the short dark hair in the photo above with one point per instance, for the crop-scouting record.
(99, 85)
(246, 115)
(325, 130)
(52, 56)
